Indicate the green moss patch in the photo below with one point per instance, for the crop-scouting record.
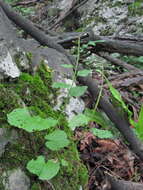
(35, 92)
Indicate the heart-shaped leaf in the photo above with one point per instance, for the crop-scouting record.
(77, 91)
(45, 171)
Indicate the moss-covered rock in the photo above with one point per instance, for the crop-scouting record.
(35, 92)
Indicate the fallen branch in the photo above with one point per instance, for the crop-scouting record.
(118, 62)
(109, 45)
(114, 184)
(112, 46)
(127, 79)
(128, 82)
(24, 3)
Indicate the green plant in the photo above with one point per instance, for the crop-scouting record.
(78, 90)
(105, 134)
(139, 125)
(56, 140)
(44, 170)
(137, 61)
(89, 115)
(21, 118)
(24, 10)
(78, 120)
(135, 7)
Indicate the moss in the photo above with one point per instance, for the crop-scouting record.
(8, 101)
(36, 93)
(18, 153)
(35, 186)
(75, 168)
(135, 9)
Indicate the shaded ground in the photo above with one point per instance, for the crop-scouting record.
(109, 156)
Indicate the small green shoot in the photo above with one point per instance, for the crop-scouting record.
(139, 125)
(91, 43)
(118, 97)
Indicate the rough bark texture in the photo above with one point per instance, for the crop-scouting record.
(122, 185)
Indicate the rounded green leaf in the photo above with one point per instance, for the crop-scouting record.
(18, 117)
(83, 73)
(50, 170)
(36, 166)
(45, 171)
(37, 123)
(77, 91)
(57, 140)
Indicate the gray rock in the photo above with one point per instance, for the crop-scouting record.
(107, 17)
(8, 68)
(74, 105)
(11, 46)
(15, 180)
(6, 136)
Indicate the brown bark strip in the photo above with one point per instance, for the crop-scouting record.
(114, 184)
(128, 82)
(126, 79)
(118, 62)
(112, 46)
(24, 3)
(137, 38)
(126, 75)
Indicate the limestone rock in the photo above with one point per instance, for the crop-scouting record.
(16, 180)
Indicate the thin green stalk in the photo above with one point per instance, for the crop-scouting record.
(101, 89)
(77, 60)
(74, 74)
